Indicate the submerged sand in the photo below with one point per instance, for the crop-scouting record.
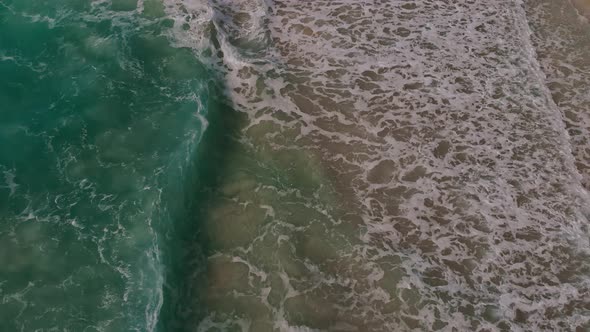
(583, 7)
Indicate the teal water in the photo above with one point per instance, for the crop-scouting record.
(100, 123)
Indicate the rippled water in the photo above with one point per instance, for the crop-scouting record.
(100, 123)
(366, 165)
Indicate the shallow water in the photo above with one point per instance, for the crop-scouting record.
(366, 166)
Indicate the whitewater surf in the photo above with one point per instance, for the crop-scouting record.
(283, 165)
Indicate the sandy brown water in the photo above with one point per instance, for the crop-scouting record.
(397, 166)
(583, 7)
(562, 40)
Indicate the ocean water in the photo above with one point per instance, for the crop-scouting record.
(287, 165)
(100, 125)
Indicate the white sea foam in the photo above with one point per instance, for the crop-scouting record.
(432, 121)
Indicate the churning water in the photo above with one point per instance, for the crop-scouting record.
(290, 165)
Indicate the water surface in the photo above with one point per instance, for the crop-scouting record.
(294, 166)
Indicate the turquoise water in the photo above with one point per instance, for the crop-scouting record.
(100, 120)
